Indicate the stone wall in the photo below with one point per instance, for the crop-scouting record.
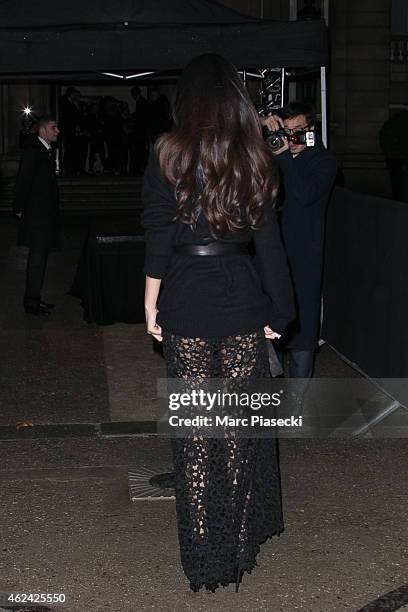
(360, 89)
(268, 9)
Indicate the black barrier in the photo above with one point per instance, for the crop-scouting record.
(109, 279)
(365, 293)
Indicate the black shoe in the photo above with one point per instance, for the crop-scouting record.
(164, 481)
(38, 311)
(46, 305)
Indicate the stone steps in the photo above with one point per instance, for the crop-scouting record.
(88, 194)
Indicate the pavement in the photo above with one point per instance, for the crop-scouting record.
(70, 392)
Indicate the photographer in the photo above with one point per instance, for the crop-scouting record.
(308, 174)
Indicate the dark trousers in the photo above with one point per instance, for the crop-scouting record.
(398, 169)
(301, 362)
(75, 152)
(96, 147)
(300, 368)
(139, 153)
(35, 271)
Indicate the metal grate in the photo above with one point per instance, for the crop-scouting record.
(140, 488)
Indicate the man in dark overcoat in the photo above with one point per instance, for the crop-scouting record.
(36, 203)
(308, 174)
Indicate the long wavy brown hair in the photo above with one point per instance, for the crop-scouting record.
(216, 157)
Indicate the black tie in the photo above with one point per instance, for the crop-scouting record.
(52, 158)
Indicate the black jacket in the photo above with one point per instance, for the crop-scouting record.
(212, 296)
(307, 181)
(36, 197)
(71, 119)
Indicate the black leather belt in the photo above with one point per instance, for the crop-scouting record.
(213, 248)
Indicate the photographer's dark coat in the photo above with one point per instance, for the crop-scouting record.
(307, 183)
(36, 197)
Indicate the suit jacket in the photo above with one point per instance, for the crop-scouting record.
(71, 119)
(36, 197)
(307, 180)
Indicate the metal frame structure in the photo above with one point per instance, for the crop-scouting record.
(272, 93)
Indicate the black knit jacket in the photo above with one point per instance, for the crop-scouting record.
(213, 296)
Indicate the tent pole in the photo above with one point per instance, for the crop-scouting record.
(282, 87)
(293, 10)
(323, 103)
(326, 11)
(57, 93)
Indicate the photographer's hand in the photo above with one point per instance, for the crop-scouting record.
(275, 123)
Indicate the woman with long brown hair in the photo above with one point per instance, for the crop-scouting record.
(209, 188)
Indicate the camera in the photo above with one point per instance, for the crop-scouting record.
(276, 140)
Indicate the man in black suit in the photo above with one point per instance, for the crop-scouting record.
(308, 174)
(36, 203)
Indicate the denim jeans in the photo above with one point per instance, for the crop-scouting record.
(301, 363)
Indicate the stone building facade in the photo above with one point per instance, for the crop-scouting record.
(360, 89)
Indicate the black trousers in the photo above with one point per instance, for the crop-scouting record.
(35, 271)
(398, 170)
(139, 153)
(301, 362)
(75, 151)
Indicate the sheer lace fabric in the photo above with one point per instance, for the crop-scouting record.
(227, 489)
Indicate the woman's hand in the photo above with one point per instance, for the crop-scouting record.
(152, 289)
(152, 328)
(270, 334)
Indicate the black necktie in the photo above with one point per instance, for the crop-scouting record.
(52, 158)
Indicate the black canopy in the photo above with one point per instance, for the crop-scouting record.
(77, 36)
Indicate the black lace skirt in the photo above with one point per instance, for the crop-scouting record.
(228, 497)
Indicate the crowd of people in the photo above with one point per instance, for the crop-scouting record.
(106, 136)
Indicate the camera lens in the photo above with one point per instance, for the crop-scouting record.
(274, 141)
